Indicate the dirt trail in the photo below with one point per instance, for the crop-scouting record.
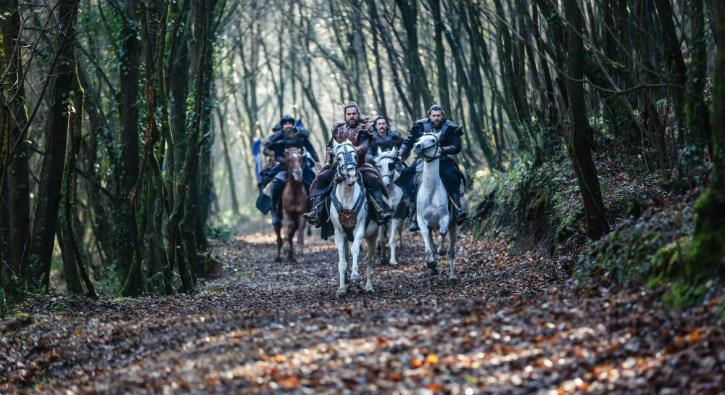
(511, 325)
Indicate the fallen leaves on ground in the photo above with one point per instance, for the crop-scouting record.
(513, 324)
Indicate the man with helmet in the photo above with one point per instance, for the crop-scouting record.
(359, 134)
(451, 175)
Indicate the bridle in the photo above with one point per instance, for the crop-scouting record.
(390, 155)
(436, 153)
(348, 159)
(290, 157)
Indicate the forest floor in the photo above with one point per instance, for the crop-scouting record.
(513, 324)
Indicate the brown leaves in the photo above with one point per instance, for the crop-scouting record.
(507, 328)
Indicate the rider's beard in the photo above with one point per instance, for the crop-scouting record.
(289, 131)
(352, 122)
(437, 124)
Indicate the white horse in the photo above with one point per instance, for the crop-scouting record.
(349, 215)
(385, 162)
(433, 210)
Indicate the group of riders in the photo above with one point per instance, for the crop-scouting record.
(368, 138)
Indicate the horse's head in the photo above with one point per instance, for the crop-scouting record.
(385, 162)
(427, 147)
(295, 160)
(345, 161)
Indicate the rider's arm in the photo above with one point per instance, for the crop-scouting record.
(328, 149)
(370, 156)
(311, 149)
(454, 144)
(408, 142)
(363, 145)
(397, 139)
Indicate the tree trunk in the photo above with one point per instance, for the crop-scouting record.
(420, 95)
(443, 89)
(56, 131)
(14, 122)
(578, 139)
(128, 251)
(228, 163)
(698, 121)
(675, 61)
(70, 244)
(706, 254)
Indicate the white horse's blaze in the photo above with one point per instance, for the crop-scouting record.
(347, 193)
(385, 162)
(432, 202)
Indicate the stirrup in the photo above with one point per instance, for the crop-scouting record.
(312, 216)
(413, 227)
(384, 216)
(461, 217)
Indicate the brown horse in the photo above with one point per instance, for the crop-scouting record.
(294, 203)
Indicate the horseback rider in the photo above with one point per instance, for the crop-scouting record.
(451, 175)
(383, 138)
(359, 134)
(288, 136)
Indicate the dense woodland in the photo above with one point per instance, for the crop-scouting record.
(121, 119)
(593, 152)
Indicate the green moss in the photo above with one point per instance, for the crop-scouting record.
(22, 316)
(682, 294)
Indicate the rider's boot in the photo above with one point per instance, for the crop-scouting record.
(381, 206)
(313, 216)
(277, 188)
(460, 206)
(413, 227)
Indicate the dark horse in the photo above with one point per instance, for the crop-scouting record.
(294, 203)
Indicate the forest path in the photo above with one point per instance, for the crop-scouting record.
(510, 326)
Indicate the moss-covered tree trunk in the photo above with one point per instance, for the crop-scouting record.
(706, 253)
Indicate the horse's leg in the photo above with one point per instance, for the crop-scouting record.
(278, 232)
(452, 253)
(355, 251)
(380, 243)
(292, 227)
(301, 235)
(372, 240)
(442, 245)
(430, 256)
(445, 223)
(393, 242)
(341, 262)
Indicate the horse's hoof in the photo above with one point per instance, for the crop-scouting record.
(433, 271)
(453, 280)
(278, 259)
(369, 290)
(355, 278)
(442, 251)
(393, 263)
(341, 292)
